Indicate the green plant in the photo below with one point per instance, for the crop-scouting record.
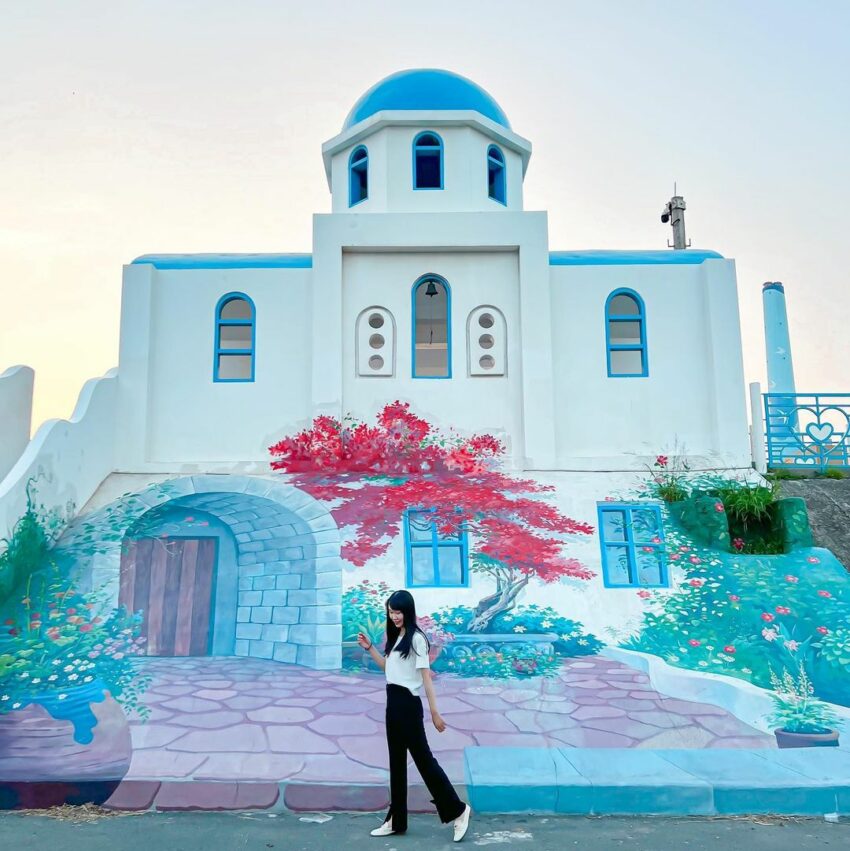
(796, 709)
(835, 649)
(61, 639)
(830, 473)
(780, 474)
(748, 504)
(668, 479)
(514, 664)
(364, 610)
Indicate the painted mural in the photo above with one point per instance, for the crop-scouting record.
(202, 627)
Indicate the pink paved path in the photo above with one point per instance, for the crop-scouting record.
(247, 719)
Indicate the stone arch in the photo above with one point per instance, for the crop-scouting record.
(285, 587)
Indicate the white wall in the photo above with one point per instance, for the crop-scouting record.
(468, 403)
(391, 172)
(68, 458)
(16, 385)
(694, 394)
(173, 414)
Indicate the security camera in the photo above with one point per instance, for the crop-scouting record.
(665, 217)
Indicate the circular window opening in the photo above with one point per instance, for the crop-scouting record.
(486, 320)
(486, 361)
(376, 320)
(486, 341)
(376, 362)
(376, 341)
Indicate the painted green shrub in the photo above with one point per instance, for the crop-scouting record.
(745, 615)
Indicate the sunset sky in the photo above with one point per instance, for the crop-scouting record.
(170, 126)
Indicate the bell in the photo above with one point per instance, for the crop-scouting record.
(431, 289)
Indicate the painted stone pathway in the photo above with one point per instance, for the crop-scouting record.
(216, 719)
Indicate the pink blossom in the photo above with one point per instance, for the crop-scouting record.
(769, 634)
(824, 594)
(718, 507)
(695, 560)
(783, 610)
(94, 654)
(661, 461)
(823, 630)
(793, 646)
(646, 549)
(644, 594)
(729, 648)
(734, 598)
(767, 616)
(813, 560)
(674, 557)
(738, 544)
(697, 583)
(656, 540)
(791, 579)
(694, 643)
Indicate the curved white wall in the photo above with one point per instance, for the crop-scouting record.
(16, 385)
(68, 458)
(391, 173)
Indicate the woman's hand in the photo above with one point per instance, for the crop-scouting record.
(363, 641)
(439, 724)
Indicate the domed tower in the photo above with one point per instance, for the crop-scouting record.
(426, 140)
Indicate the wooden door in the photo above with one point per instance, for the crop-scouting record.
(170, 580)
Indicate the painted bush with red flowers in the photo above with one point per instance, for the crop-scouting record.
(370, 474)
(57, 639)
(745, 615)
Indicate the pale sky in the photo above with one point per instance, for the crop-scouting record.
(166, 126)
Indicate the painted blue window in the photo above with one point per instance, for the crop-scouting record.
(435, 558)
(235, 338)
(427, 161)
(432, 328)
(625, 335)
(496, 186)
(632, 539)
(358, 176)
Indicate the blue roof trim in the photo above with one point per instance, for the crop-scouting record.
(227, 261)
(773, 285)
(686, 257)
(425, 89)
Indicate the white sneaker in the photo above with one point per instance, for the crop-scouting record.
(386, 829)
(461, 823)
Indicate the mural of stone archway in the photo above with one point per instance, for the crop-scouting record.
(277, 578)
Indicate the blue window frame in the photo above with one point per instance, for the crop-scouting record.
(496, 183)
(625, 335)
(431, 336)
(358, 176)
(632, 540)
(433, 558)
(428, 161)
(235, 338)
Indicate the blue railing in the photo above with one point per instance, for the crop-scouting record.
(807, 429)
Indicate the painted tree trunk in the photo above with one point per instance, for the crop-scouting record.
(496, 604)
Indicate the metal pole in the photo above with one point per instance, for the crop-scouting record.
(757, 446)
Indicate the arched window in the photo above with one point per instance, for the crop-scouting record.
(496, 188)
(375, 343)
(358, 176)
(427, 161)
(235, 338)
(625, 334)
(432, 328)
(486, 342)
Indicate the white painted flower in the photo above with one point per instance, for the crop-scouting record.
(546, 624)
(16, 706)
(583, 642)
(566, 637)
(73, 677)
(673, 658)
(62, 696)
(56, 662)
(746, 670)
(52, 677)
(519, 628)
(68, 668)
(703, 664)
(4, 697)
(36, 680)
(87, 679)
(24, 675)
(458, 620)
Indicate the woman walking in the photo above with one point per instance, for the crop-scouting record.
(405, 662)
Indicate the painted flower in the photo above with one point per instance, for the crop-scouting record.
(695, 560)
(546, 624)
(813, 560)
(644, 594)
(718, 507)
(824, 594)
(674, 557)
(647, 549)
(696, 583)
(793, 646)
(734, 598)
(656, 540)
(769, 634)
(738, 544)
(767, 617)
(822, 630)
(792, 579)
(729, 648)
(694, 643)
(85, 627)
(566, 637)
(70, 611)
(783, 610)
(661, 461)
(519, 628)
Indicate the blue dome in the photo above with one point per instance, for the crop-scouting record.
(425, 89)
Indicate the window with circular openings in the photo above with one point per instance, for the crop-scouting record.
(486, 337)
(375, 343)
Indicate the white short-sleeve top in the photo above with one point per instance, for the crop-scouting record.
(408, 672)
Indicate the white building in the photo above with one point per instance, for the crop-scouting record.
(429, 283)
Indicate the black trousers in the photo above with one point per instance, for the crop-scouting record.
(406, 732)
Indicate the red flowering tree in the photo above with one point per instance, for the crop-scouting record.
(372, 474)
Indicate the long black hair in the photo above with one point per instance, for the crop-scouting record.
(402, 601)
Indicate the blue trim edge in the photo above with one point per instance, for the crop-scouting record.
(686, 257)
(226, 261)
